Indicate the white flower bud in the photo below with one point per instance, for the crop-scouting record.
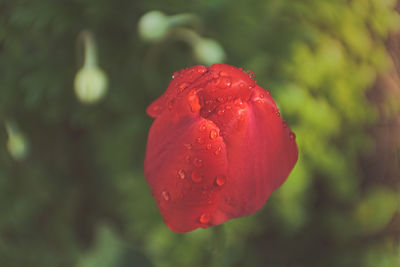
(90, 84)
(153, 26)
(208, 51)
(17, 145)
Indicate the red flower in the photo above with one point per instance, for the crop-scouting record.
(217, 149)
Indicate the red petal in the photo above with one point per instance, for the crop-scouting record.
(261, 152)
(217, 148)
(181, 82)
(183, 160)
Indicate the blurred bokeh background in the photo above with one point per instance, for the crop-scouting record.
(77, 75)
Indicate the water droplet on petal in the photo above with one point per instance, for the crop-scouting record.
(238, 102)
(205, 218)
(261, 95)
(292, 136)
(209, 146)
(224, 83)
(228, 107)
(193, 101)
(182, 86)
(277, 113)
(220, 180)
(189, 146)
(181, 174)
(202, 128)
(284, 124)
(220, 99)
(202, 69)
(197, 162)
(170, 105)
(223, 73)
(213, 134)
(251, 74)
(196, 177)
(218, 151)
(200, 140)
(221, 112)
(242, 85)
(165, 195)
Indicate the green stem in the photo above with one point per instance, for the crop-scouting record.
(90, 50)
(218, 246)
(187, 35)
(10, 128)
(183, 19)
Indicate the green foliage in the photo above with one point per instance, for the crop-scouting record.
(79, 198)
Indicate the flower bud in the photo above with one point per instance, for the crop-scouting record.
(17, 144)
(208, 51)
(90, 84)
(153, 26)
(90, 81)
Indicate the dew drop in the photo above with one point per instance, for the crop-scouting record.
(196, 177)
(165, 195)
(223, 73)
(220, 180)
(200, 140)
(240, 115)
(181, 174)
(242, 85)
(175, 74)
(202, 69)
(284, 124)
(218, 151)
(193, 101)
(221, 112)
(189, 146)
(228, 107)
(197, 162)
(251, 74)
(205, 218)
(170, 105)
(277, 113)
(224, 83)
(209, 146)
(238, 102)
(213, 134)
(292, 136)
(261, 95)
(202, 128)
(182, 86)
(220, 99)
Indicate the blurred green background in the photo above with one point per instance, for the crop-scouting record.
(72, 191)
